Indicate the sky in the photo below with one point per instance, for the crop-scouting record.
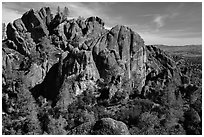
(166, 23)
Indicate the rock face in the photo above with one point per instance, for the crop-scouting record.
(35, 22)
(35, 76)
(161, 71)
(3, 31)
(121, 52)
(91, 52)
(21, 44)
(60, 59)
(11, 61)
(87, 51)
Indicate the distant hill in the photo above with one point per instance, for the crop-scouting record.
(186, 51)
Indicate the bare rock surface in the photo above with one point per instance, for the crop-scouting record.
(109, 126)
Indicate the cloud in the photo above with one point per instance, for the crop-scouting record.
(9, 15)
(159, 20)
(78, 9)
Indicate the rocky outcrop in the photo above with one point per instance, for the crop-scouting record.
(19, 25)
(118, 53)
(22, 45)
(89, 52)
(161, 71)
(31, 26)
(159, 61)
(4, 31)
(121, 52)
(11, 62)
(104, 126)
(109, 126)
(35, 22)
(35, 75)
(16, 66)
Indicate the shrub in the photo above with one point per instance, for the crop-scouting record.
(23, 119)
(57, 126)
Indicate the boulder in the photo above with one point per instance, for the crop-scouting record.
(105, 126)
(109, 126)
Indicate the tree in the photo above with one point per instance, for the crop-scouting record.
(23, 118)
(58, 10)
(28, 111)
(56, 126)
(65, 13)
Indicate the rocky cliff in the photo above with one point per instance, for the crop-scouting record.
(85, 50)
(60, 59)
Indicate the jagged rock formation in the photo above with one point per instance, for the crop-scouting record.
(35, 23)
(59, 59)
(161, 71)
(86, 50)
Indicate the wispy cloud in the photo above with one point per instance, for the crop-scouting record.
(9, 15)
(159, 20)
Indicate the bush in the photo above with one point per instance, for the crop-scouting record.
(23, 118)
(57, 126)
